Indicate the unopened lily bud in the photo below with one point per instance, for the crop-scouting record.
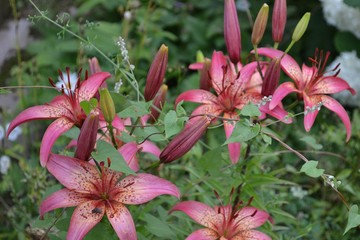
(301, 27)
(156, 73)
(107, 105)
(232, 33)
(199, 56)
(158, 102)
(279, 20)
(94, 66)
(87, 137)
(205, 81)
(271, 78)
(185, 140)
(260, 25)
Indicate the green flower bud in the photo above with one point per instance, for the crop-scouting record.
(301, 27)
(107, 105)
(260, 25)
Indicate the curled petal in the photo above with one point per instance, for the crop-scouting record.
(128, 151)
(89, 87)
(329, 85)
(251, 235)
(234, 148)
(250, 217)
(337, 108)
(310, 116)
(61, 199)
(143, 188)
(200, 213)
(73, 173)
(288, 64)
(85, 218)
(203, 234)
(54, 130)
(282, 91)
(122, 222)
(197, 95)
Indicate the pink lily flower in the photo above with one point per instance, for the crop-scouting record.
(96, 193)
(65, 109)
(224, 222)
(233, 90)
(312, 86)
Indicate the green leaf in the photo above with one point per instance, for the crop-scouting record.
(243, 132)
(354, 218)
(88, 106)
(173, 124)
(311, 142)
(104, 151)
(347, 42)
(250, 110)
(353, 3)
(158, 227)
(266, 138)
(4, 91)
(310, 169)
(180, 111)
(136, 109)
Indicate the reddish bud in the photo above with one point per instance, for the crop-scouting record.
(156, 73)
(205, 81)
(158, 102)
(232, 31)
(260, 25)
(279, 20)
(185, 140)
(87, 137)
(94, 66)
(271, 78)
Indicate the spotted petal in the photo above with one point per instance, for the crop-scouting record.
(122, 222)
(250, 217)
(85, 218)
(89, 87)
(337, 108)
(143, 188)
(329, 85)
(288, 64)
(74, 174)
(251, 235)
(200, 213)
(282, 91)
(234, 148)
(128, 151)
(218, 64)
(203, 234)
(309, 102)
(197, 96)
(52, 133)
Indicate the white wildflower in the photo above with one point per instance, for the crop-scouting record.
(298, 192)
(124, 52)
(4, 164)
(127, 15)
(68, 85)
(117, 86)
(350, 68)
(342, 16)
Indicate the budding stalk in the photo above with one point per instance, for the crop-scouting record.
(87, 137)
(158, 103)
(232, 33)
(107, 105)
(271, 78)
(260, 25)
(299, 30)
(156, 73)
(278, 21)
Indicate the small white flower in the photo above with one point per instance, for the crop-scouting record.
(298, 192)
(2, 133)
(127, 15)
(117, 86)
(243, 5)
(69, 85)
(4, 164)
(14, 133)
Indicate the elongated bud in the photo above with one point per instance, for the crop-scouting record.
(94, 66)
(107, 105)
(279, 20)
(301, 27)
(87, 137)
(156, 73)
(260, 25)
(158, 102)
(185, 140)
(205, 81)
(271, 78)
(232, 33)
(200, 56)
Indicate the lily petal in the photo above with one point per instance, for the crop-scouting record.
(337, 108)
(218, 63)
(122, 221)
(200, 213)
(34, 113)
(309, 117)
(61, 199)
(250, 217)
(251, 235)
(143, 188)
(52, 133)
(203, 234)
(329, 85)
(278, 112)
(128, 151)
(89, 87)
(197, 96)
(282, 91)
(150, 147)
(85, 218)
(288, 64)
(196, 66)
(73, 173)
(234, 148)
